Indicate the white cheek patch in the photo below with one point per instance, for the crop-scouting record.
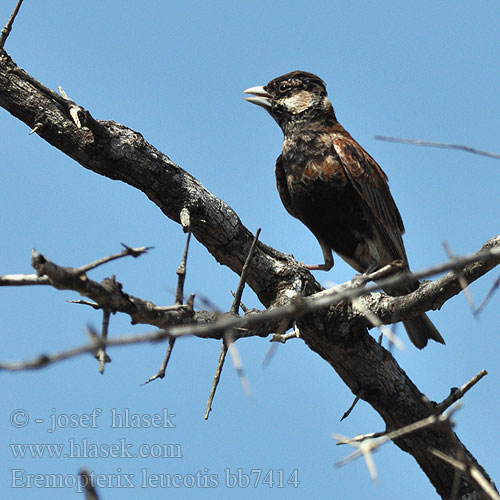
(298, 102)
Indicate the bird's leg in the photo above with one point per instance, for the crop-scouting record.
(374, 272)
(327, 256)
(372, 266)
(362, 278)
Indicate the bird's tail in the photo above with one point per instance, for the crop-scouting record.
(420, 329)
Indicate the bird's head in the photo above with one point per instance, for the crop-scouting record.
(295, 98)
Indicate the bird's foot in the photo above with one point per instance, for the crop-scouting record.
(327, 256)
(319, 267)
(359, 280)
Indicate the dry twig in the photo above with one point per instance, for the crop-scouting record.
(456, 394)
(227, 341)
(461, 279)
(179, 293)
(90, 491)
(441, 145)
(8, 27)
(490, 293)
(366, 446)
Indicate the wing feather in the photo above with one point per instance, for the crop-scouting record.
(282, 185)
(370, 182)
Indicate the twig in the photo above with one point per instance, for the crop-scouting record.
(244, 271)
(380, 439)
(101, 355)
(283, 338)
(134, 252)
(442, 145)
(85, 303)
(367, 446)
(280, 334)
(227, 342)
(215, 382)
(181, 272)
(95, 342)
(490, 293)
(349, 410)
(23, 280)
(341, 440)
(463, 282)
(35, 279)
(242, 306)
(456, 394)
(179, 293)
(8, 27)
(471, 470)
(37, 127)
(163, 367)
(90, 491)
(238, 366)
(145, 312)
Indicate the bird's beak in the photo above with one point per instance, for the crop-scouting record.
(262, 98)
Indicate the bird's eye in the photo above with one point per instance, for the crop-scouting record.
(284, 87)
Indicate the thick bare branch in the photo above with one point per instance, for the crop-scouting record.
(117, 152)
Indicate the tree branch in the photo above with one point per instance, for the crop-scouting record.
(180, 319)
(120, 153)
(340, 338)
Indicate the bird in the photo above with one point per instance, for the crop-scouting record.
(335, 188)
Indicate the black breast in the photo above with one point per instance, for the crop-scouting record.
(321, 195)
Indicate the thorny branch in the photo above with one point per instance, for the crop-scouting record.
(368, 445)
(455, 395)
(470, 470)
(180, 320)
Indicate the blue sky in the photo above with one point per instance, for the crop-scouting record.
(175, 71)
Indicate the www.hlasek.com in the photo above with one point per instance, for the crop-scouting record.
(236, 478)
(84, 448)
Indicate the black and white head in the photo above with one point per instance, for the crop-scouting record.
(293, 98)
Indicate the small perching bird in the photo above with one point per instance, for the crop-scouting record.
(331, 184)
